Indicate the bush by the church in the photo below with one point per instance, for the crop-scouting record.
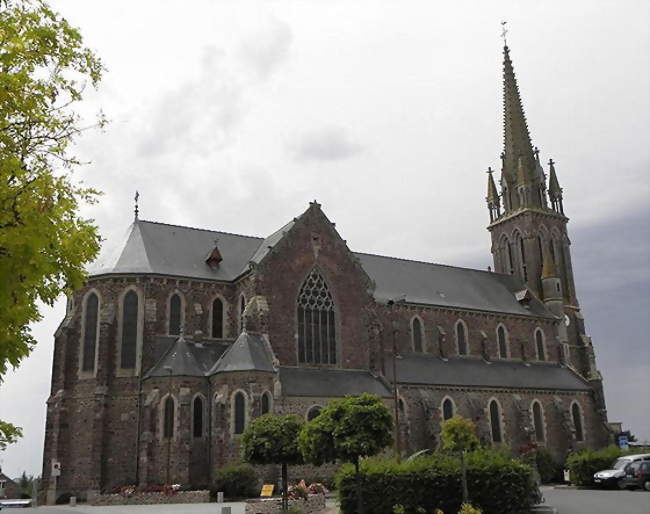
(550, 469)
(583, 464)
(497, 484)
(237, 481)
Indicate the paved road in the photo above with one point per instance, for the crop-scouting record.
(590, 501)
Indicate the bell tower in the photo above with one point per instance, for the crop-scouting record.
(529, 228)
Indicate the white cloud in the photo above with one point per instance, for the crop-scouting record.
(325, 144)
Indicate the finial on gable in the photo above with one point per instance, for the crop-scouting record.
(137, 209)
(504, 31)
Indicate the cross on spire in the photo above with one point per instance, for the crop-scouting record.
(137, 209)
(504, 31)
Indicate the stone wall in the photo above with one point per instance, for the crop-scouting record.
(152, 498)
(314, 504)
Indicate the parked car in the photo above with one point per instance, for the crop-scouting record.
(637, 475)
(611, 477)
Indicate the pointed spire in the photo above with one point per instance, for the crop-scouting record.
(492, 193)
(493, 200)
(516, 142)
(554, 189)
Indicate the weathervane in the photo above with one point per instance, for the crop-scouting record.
(504, 31)
(137, 210)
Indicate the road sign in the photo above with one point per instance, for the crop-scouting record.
(622, 442)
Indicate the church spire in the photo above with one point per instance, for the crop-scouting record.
(516, 138)
(554, 189)
(493, 201)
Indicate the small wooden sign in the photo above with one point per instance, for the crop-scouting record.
(267, 490)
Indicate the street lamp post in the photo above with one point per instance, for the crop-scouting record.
(395, 329)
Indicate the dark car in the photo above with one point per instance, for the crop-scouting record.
(637, 475)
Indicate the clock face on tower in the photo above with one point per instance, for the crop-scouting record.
(567, 320)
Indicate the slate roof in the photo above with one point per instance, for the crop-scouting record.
(179, 360)
(248, 353)
(157, 248)
(447, 286)
(472, 372)
(325, 382)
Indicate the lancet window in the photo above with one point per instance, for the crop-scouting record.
(316, 322)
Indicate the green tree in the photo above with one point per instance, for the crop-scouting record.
(458, 435)
(44, 243)
(348, 429)
(272, 439)
(8, 434)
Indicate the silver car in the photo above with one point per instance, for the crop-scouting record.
(611, 477)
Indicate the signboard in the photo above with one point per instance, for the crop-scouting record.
(622, 442)
(267, 490)
(56, 469)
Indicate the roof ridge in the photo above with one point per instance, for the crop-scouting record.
(200, 229)
(431, 263)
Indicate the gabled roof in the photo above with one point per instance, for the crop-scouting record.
(248, 353)
(447, 286)
(158, 248)
(472, 372)
(327, 382)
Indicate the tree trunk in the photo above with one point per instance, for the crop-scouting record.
(463, 467)
(360, 506)
(285, 488)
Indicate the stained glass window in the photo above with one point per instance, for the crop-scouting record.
(175, 315)
(217, 318)
(316, 322)
(129, 330)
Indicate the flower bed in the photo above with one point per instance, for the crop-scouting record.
(314, 503)
(152, 498)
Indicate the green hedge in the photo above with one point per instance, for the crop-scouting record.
(585, 463)
(497, 484)
(237, 481)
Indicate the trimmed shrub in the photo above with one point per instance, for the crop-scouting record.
(237, 481)
(497, 484)
(550, 470)
(585, 463)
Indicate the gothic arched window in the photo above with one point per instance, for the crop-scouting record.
(217, 318)
(129, 330)
(197, 417)
(522, 255)
(447, 409)
(239, 405)
(316, 322)
(168, 418)
(175, 314)
(461, 337)
(242, 308)
(90, 333)
(416, 329)
(313, 412)
(539, 345)
(502, 341)
(576, 414)
(495, 421)
(266, 403)
(538, 421)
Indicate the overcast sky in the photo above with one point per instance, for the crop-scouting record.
(233, 116)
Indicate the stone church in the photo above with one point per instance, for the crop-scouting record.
(182, 336)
